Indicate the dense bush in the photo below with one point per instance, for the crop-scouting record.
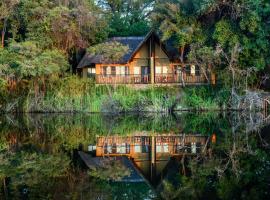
(206, 97)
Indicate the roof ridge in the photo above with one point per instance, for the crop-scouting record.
(127, 37)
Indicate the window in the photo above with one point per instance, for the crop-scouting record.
(104, 70)
(177, 69)
(137, 70)
(192, 70)
(158, 69)
(193, 147)
(91, 72)
(137, 149)
(113, 70)
(126, 70)
(165, 69)
(122, 70)
(161, 69)
(121, 148)
(118, 70)
(187, 69)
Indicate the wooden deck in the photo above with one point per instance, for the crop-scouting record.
(158, 79)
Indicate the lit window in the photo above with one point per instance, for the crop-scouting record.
(118, 70)
(158, 69)
(91, 71)
(137, 149)
(137, 70)
(121, 70)
(158, 149)
(166, 148)
(192, 70)
(165, 69)
(193, 147)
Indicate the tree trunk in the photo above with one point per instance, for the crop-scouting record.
(43, 86)
(36, 88)
(205, 74)
(183, 165)
(182, 77)
(2, 39)
(182, 51)
(5, 188)
(3, 33)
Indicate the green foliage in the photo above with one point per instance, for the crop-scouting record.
(127, 18)
(28, 167)
(73, 94)
(202, 97)
(225, 34)
(110, 51)
(176, 25)
(65, 25)
(30, 61)
(223, 175)
(111, 169)
(35, 152)
(219, 26)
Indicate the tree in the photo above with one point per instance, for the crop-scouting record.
(6, 10)
(205, 57)
(26, 61)
(220, 26)
(127, 18)
(176, 25)
(66, 26)
(111, 51)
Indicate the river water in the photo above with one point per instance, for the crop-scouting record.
(147, 156)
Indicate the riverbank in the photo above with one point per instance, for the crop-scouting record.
(72, 94)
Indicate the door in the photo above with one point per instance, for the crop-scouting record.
(145, 71)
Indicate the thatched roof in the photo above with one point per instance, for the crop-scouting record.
(134, 44)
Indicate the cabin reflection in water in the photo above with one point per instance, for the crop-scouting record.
(152, 154)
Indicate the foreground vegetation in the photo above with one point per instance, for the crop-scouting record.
(73, 94)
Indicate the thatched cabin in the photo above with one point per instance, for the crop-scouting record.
(152, 154)
(148, 61)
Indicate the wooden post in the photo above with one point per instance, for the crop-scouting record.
(153, 149)
(153, 156)
(152, 59)
(152, 70)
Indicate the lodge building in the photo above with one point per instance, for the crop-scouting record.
(148, 61)
(152, 154)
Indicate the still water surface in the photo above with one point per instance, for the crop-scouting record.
(185, 155)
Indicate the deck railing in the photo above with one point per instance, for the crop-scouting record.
(123, 79)
(180, 78)
(146, 79)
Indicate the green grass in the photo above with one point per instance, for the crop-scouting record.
(73, 94)
(206, 97)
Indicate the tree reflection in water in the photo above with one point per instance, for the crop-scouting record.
(39, 160)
